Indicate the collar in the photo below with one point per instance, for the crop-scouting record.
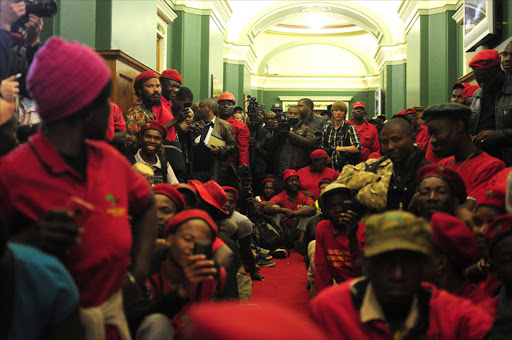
(139, 159)
(212, 121)
(371, 310)
(309, 119)
(50, 158)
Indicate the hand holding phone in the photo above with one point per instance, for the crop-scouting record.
(80, 210)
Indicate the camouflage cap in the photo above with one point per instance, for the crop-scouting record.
(397, 230)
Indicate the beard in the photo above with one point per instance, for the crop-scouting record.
(150, 101)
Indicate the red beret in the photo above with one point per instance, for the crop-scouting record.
(171, 192)
(143, 77)
(455, 239)
(271, 180)
(211, 193)
(209, 321)
(400, 112)
(485, 59)
(358, 104)
(231, 189)
(500, 227)
(289, 173)
(154, 125)
(469, 91)
(318, 153)
(464, 85)
(172, 74)
(450, 176)
(186, 215)
(493, 196)
(409, 111)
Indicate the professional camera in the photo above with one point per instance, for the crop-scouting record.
(252, 107)
(283, 125)
(42, 9)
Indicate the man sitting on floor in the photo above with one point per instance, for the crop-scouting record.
(311, 175)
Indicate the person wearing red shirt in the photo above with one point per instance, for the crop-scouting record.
(116, 133)
(171, 82)
(292, 204)
(72, 199)
(420, 130)
(339, 238)
(448, 128)
(310, 176)
(454, 250)
(391, 302)
(367, 132)
(240, 130)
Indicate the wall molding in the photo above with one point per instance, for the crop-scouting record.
(165, 12)
(314, 83)
(410, 10)
(219, 10)
(240, 54)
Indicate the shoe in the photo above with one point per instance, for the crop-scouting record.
(264, 257)
(259, 255)
(279, 253)
(300, 247)
(263, 250)
(265, 263)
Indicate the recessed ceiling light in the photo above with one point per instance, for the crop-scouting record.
(315, 21)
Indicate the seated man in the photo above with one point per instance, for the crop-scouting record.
(391, 302)
(449, 131)
(152, 134)
(388, 182)
(268, 189)
(420, 130)
(339, 238)
(184, 277)
(311, 175)
(169, 202)
(292, 204)
(38, 291)
(453, 251)
(439, 190)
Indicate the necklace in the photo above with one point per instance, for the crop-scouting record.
(463, 163)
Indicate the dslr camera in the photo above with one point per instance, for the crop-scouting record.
(42, 9)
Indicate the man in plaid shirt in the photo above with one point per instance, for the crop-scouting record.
(341, 141)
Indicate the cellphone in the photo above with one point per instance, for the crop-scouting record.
(81, 210)
(188, 104)
(203, 247)
(349, 205)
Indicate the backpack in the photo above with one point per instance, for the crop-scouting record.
(269, 235)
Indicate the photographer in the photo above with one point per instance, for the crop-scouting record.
(292, 142)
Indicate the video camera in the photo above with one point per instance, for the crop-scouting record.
(252, 108)
(42, 9)
(283, 125)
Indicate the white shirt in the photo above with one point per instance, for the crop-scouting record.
(171, 177)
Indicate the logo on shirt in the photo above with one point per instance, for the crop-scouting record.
(114, 210)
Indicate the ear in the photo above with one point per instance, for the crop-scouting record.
(169, 241)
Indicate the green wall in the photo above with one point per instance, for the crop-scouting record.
(393, 84)
(234, 81)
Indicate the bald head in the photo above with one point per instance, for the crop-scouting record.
(207, 109)
(399, 122)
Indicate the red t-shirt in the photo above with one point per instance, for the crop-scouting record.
(284, 201)
(431, 156)
(116, 121)
(450, 317)
(501, 178)
(44, 182)
(472, 292)
(242, 135)
(164, 114)
(369, 139)
(476, 171)
(333, 259)
(309, 180)
(422, 137)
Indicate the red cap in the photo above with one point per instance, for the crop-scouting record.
(455, 239)
(227, 96)
(171, 192)
(271, 180)
(172, 74)
(232, 190)
(211, 193)
(318, 153)
(186, 215)
(400, 112)
(289, 173)
(409, 111)
(485, 59)
(143, 77)
(64, 78)
(469, 91)
(358, 104)
(269, 321)
(464, 85)
(154, 125)
(493, 196)
(449, 175)
(500, 227)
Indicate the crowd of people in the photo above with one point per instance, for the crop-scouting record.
(121, 225)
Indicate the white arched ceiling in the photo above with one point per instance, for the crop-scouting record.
(362, 64)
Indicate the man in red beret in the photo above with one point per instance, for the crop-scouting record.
(148, 91)
(420, 130)
(367, 132)
(77, 191)
(440, 189)
(311, 175)
(467, 94)
(454, 250)
(490, 123)
(169, 202)
(457, 92)
(152, 134)
(292, 203)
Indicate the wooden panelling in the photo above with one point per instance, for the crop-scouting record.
(124, 71)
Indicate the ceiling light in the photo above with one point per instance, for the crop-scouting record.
(315, 21)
